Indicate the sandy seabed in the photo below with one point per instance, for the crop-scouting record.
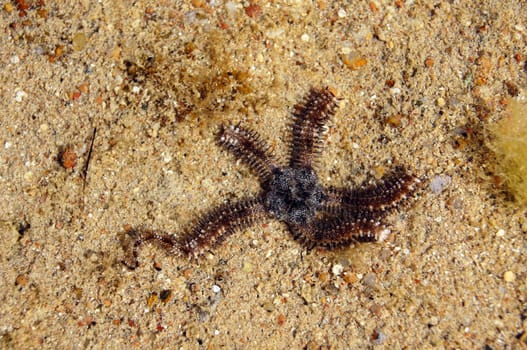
(420, 83)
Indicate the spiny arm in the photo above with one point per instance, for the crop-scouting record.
(390, 191)
(309, 125)
(246, 145)
(212, 229)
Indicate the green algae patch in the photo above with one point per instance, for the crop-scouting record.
(510, 145)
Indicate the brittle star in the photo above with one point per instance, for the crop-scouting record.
(315, 215)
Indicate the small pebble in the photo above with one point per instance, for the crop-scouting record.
(21, 280)
(68, 158)
(433, 321)
(19, 95)
(337, 269)
(247, 267)
(370, 280)
(151, 300)
(323, 276)
(394, 120)
(216, 289)
(79, 41)
(429, 62)
(305, 37)
(384, 234)
(28, 176)
(376, 310)
(281, 319)
(509, 276)
(231, 8)
(378, 336)
(342, 13)
(268, 306)
(77, 293)
(354, 62)
(439, 183)
(202, 315)
(500, 233)
(166, 158)
(350, 278)
(441, 102)
(165, 295)
(15, 59)
(253, 11)
(346, 50)
(59, 52)
(395, 91)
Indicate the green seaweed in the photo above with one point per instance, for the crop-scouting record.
(510, 146)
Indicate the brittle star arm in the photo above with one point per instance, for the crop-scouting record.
(246, 145)
(212, 229)
(309, 125)
(332, 232)
(391, 190)
(141, 235)
(218, 224)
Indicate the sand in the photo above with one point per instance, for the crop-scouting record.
(149, 82)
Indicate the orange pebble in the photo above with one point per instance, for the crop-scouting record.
(68, 158)
(253, 10)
